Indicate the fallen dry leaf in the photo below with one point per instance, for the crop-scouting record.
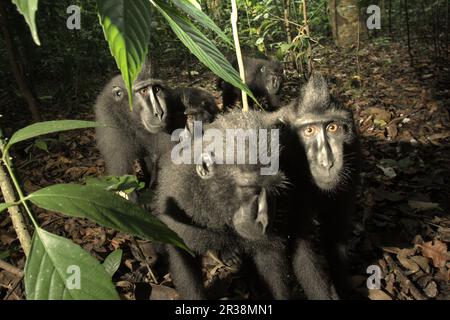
(407, 263)
(422, 206)
(377, 294)
(422, 262)
(436, 251)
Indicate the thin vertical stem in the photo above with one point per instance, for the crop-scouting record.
(234, 18)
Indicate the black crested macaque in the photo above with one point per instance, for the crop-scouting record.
(264, 79)
(199, 105)
(321, 160)
(223, 207)
(131, 135)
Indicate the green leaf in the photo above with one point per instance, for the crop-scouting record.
(200, 46)
(127, 183)
(41, 144)
(58, 269)
(4, 206)
(105, 208)
(112, 262)
(193, 9)
(28, 9)
(46, 127)
(126, 26)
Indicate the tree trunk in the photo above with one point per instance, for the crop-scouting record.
(344, 18)
(15, 68)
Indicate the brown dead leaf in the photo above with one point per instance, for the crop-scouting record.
(436, 251)
(391, 249)
(377, 294)
(422, 205)
(380, 114)
(444, 234)
(30, 186)
(408, 263)
(119, 240)
(422, 262)
(392, 130)
(431, 289)
(163, 293)
(75, 172)
(7, 238)
(439, 136)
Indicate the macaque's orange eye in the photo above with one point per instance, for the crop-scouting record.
(309, 131)
(143, 91)
(333, 127)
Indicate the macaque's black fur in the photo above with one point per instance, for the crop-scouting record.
(199, 104)
(264, 79)
(203, 210)
(126, 138)
(331, 202)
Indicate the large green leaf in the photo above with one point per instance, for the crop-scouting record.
(112, 262)
(105, 208)
(200, 46)
(126, 25)
(28, 9)
(193, 9)
(46, 127)
(58, 269)
(127, 183)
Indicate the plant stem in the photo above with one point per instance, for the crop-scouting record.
(21, 195)
(17, 219)
(234, 17)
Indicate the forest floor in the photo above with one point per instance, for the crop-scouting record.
(403, 218)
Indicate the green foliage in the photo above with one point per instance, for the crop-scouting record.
(58, 269)
(112, 262)
(28, 9)
(46, 127)
(126, 25)
(195, 11)
(105, 208)
(126, 183)
(201, 47)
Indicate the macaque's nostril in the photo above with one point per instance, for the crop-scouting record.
(158, 113)
(327, 164)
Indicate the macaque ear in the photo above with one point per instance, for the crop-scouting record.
(315, 93)
(205, 169)
(263, 69)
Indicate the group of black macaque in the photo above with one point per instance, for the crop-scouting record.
(248, 219)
